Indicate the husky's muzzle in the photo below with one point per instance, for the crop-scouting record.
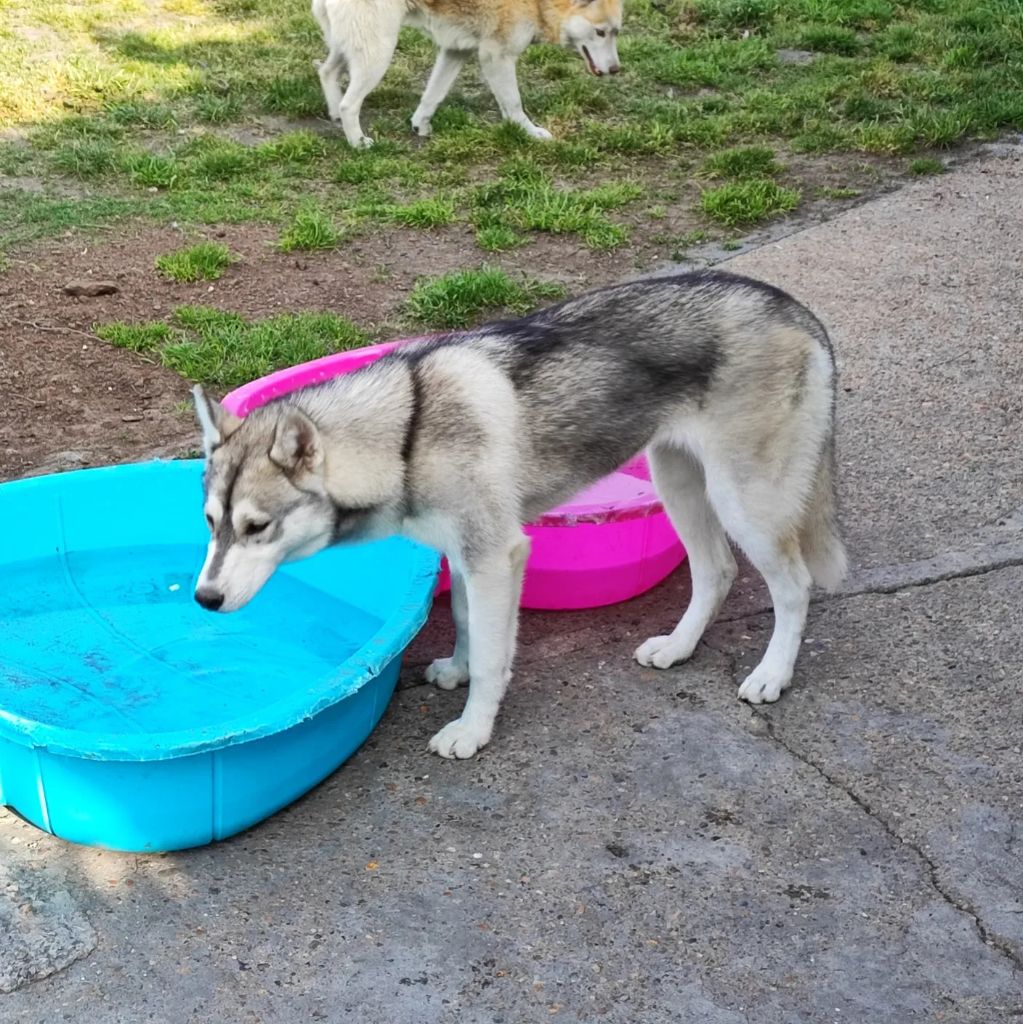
(612, 68)
(209, 598)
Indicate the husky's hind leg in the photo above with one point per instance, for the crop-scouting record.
(445, 71)
(368, 52)
(329, 69)
(764, 520)
(680, 483)
(493, 587)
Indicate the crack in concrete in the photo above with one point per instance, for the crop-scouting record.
(898, 577)
(989, 937)
(955, 566)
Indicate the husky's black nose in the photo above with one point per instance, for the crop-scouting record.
(210, 599)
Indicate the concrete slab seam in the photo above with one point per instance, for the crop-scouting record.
(990, 938)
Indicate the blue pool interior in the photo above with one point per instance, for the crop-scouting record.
(107, 663)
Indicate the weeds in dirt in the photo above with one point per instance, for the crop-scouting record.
(742, 203)
(157, 101)
(223, 350)
(837, 193)
(498, 238)
(742, 162)
(136, 337)
(926, 165)
(461, 298)
(525, 198)
(311, 228)
(424, 213)
(205, 261)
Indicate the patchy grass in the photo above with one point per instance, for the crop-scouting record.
(223, 350)
(525, 198)
(743, 203)
(742, 162)
(926, 165)
(206, 261)
(144, 108)
(310, 228)
(498, 238)
(462, 298)
(838, 193)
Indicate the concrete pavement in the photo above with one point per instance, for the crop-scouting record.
(638, 847)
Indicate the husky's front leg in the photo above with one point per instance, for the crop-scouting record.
(499, 71)
(493, 587)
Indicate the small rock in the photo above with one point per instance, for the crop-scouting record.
(134, 418)
(90, 289)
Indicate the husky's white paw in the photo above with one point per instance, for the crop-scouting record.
(536, 132)
(763, 686)
(359, 142)
(662, 652)
(421, 125)
(459, 739)
(447, 673)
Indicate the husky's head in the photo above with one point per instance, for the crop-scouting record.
(266, 499)
(591, 28)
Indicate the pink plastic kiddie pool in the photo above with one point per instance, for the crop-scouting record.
(608, 544)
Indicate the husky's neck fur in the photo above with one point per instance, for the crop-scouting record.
(367, 420)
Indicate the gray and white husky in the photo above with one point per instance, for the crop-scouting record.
(457, 441)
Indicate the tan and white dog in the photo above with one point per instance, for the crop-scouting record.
(363, 34)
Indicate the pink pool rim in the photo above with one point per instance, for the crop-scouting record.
(608, 544)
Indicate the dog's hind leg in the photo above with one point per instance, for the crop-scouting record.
(449, 673)
(499, 71)
(493, 587)
(445, 71)
(369, 56)
(329, 71)
(762, 517)
(680, 483)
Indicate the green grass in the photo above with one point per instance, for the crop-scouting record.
(311, 228)
(223, 350)
(206, 261)
(526, 198)
(742, 162)
(498, 238)
(144, 108)
(744, 203)
(926, 165)
(462, 298)
(838, 193)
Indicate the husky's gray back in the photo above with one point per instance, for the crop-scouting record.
(597, 376)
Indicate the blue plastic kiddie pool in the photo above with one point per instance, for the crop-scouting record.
(129, 717)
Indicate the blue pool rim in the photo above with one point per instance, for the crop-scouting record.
(360, 668)
(162, 792)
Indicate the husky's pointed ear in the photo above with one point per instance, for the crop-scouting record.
(297, 443)
(216, 422)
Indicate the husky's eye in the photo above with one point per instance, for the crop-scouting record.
(252, 529)
(601, 33)
(209, 521)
